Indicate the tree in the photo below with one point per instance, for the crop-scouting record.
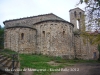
(1, 38)
(92, 10)
(0, 26)
(99, 51)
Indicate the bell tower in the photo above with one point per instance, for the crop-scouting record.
(77, 18)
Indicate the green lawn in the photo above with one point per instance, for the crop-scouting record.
(41, 62)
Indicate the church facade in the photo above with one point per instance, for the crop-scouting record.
(49, 34)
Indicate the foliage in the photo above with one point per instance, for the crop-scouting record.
(92, 10)
(99, 47)
(99, 51)
(1, 38)
(91, 38)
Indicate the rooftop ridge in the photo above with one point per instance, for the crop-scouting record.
(29, 17)
(76, 8)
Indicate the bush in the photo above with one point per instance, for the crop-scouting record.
(1, 38)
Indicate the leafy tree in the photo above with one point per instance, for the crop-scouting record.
(0, 26)
(92, 10)
(99, 51)
(1, 38)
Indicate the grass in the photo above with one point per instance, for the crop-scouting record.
(40, 62)
(9, 53)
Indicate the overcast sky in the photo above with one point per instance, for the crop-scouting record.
(13, 9)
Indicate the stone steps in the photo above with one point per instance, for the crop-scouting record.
(6, 61)
(7, 64)
(1, 56)
(3, 59)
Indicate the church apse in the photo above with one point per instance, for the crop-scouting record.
(22, 40)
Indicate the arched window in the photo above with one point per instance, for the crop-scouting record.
(77, 23)
(22, 36)
(63, 33)
(75, 14)
(43, 33)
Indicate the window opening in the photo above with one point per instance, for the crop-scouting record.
(22, 36)
(77, 24)
(43, 33)
(63, 33)
(70, 29)
(94, 55)
(75, 14)
(80, 14)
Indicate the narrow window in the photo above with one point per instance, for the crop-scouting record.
(43, 33)
(22, 36)
(80, 14)
(63, 33)
(70, 29)
(77, 23)
(75, 14)
(94, 55)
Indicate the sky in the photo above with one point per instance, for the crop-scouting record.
(14, 9)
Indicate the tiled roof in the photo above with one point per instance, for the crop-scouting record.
(44, 15)
(30, 21)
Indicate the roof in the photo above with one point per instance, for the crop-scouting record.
(29, 21)
(76, 8)
(44, 15)
(96, 32)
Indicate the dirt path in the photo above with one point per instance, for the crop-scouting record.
(27, 73)
(78, 69)
(81, 69)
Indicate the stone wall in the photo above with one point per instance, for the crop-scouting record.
(81, 50)
(77, 19)
(54, 38)
(48, 35)
(84, 50)
(22, 40)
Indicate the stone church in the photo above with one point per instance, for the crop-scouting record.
(49, 34)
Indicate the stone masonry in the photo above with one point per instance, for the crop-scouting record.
(49, 35)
